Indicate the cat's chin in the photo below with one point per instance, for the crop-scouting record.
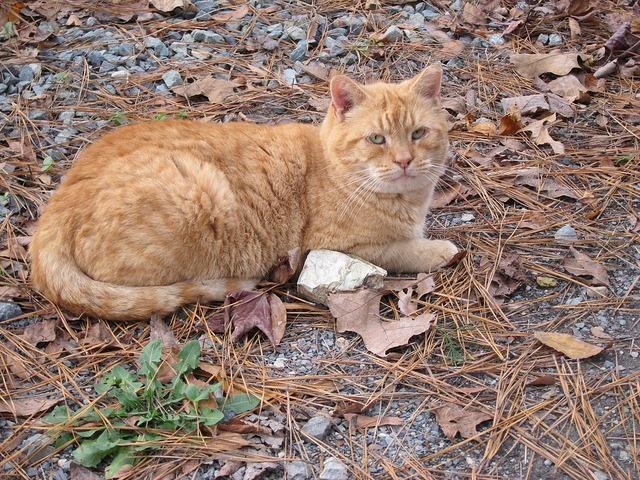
(402, 184)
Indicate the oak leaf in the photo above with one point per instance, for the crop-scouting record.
(568, 344)
(363, 422)
(540, 134)
(454, 419)
(359, 312)
(40, 332)
(216, 90)
(583, 266)
(533, 65)
(171, 5)
(25, 407)
(78, 472)
(568, 87)
(525, 105)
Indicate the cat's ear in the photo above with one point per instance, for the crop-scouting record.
(345, 94)
(427, 82)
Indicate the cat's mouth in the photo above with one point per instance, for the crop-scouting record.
(404, 175)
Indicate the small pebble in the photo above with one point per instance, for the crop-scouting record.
(392, 35)
(172, 78)
(468, 217)
(9, 310)
(334, 469)
(289, 75)
(554, 40)
(566, 233)
(318, 427)
(298, 470)
(279, 363)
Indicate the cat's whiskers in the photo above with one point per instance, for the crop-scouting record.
(357, 194)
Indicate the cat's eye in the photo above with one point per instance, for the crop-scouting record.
(418, 134)
(376, 139)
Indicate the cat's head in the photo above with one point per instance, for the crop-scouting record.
(389, 138)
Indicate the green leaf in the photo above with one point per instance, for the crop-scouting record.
(240, 402)
(60, 414)
(210, 416)
(118, 376)
(63, 439)
(160, 116)
(189, 357)
(195, 393)
(125, 456)
(546, 282)
(182, 115)
(88, 433)
(91, 452)
(47, 163)
(4, 198)
(118, 118)
(150, 359)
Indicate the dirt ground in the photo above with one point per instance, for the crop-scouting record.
(543, 193)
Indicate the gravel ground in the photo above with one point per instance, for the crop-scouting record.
(72, 73)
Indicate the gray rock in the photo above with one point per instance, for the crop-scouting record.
(334, 469)
(456, 6)
(120, 75)
(430, 14)
(91, 21)
(67, 117)
(125, 49)
(417, 20)
(496, 39)
(295, 33)
(3, 88)
(392, 35)
(65, 135)
(298, 470)
(206, 36)
(9, 310)
(30, 72)
(106, 67)
(157, 45)
(326, 271)
(275, 30)
(555, 40)
(37, 447)
(60, 474)
(289, 75)
(95, 57)
(179, 48)
(467, 217)
(300, 52)
(543, 38)
(172, 78)
(37, 115)
(566, 233)
(318, 427)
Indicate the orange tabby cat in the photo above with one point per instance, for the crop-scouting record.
(156, 215)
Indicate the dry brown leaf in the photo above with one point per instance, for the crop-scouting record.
(40, 332)
(533, 65)
(540, 135)
(454, 104)
(618, 41)
(160, 330)
(508, 275)
(426, 284)
(510, 123)
(248, 310)
(360, 312)
(405, 303)
(451, 48)
(320, 104)
(442, 198)
(578, 8)
(98, 333)
(316, 69)
(239, 425)
(73, 21)
(226, 441)
(286, 267)
(171, 5)
(541, 380)
(484, 127)
(582, 266)
(567, 344)
(78, 472)
(473, 14)
(525, 105)
(348, 407)
(574, 28)
(232, 15)
(8, 292)
(568, 87)
(213, 370)
(25, 407)
(546, 185)
(599, 332)
(216, 90)
(363, 422)
(560, 106)
(453, 419)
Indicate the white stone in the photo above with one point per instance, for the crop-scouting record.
(326, 271)
(566, 233)
(297, 470)
(279, 363)
(318, 427)
(468, 217)
(334, 469)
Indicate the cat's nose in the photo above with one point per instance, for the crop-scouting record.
(403, 160)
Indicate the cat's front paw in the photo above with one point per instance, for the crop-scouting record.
(440, 253)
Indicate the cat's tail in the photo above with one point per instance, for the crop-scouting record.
(55, 274)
